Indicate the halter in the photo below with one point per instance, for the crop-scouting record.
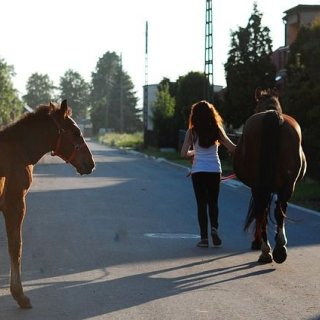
(56, 152)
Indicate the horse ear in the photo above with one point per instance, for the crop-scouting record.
(258, 94)
(64, 110)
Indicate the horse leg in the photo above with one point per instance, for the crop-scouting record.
(259, 209)
(280, 250)
(265, 256)
(14, 219)
(256, 243)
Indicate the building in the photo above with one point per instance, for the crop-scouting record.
(294, 19)
(149, 97)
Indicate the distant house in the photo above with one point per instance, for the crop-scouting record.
(294, 19)
(149, 97)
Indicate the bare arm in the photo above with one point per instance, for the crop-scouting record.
(225, 141)
(185, 152)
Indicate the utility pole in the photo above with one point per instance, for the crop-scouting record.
(121, 96)
(146, 89)
(208, 65)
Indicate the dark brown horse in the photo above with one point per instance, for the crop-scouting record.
(22, 144)
(269, 159)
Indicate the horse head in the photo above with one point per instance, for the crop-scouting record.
(70, 145)
(267, 100)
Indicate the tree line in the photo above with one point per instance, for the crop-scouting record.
(109, 100)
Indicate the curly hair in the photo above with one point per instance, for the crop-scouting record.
(204, 122)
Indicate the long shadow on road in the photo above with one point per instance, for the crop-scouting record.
(108, 296)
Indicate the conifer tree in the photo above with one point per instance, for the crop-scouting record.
(248, 66)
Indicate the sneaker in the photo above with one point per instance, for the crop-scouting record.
(215, 238)
(203, 243)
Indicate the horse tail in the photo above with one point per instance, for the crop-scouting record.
(269, 152)
(264, 188)
(259, 208)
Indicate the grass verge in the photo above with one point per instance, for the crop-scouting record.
(307, 194)
(123, 140)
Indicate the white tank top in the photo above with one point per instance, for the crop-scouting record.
(206, 159)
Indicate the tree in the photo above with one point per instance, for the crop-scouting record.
(77, 91)
(190, 89)
(301, 96)
(124, 116)
(113, 97)
(163, 116)
(172, 86)
(248, 66)
(40, 90)
(10, 104)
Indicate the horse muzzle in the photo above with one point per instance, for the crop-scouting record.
(86, 167)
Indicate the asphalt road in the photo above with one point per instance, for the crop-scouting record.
(120, 244)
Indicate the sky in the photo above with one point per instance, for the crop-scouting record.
(50, 37)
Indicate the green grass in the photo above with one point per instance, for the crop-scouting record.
(307, 192)
(123, 140)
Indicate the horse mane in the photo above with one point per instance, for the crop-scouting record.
(41, 112)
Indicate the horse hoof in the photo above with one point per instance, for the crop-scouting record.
(24, 302)
(265, 258)
(256, 245)
(279, 254)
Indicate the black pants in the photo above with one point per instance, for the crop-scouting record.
(206, 186)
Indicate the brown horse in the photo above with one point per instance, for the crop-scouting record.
(22, 144)
(269, 159)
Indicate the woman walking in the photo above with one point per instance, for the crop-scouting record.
(201, 144)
